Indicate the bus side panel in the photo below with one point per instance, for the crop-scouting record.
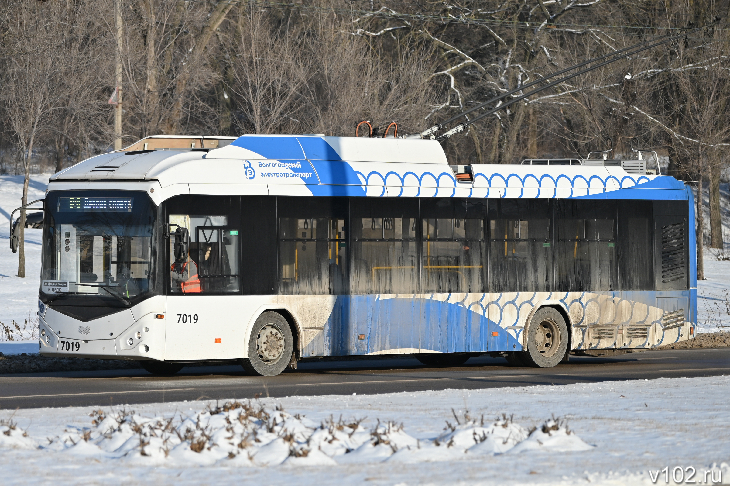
(456, 323)
(403, 324)
(210, 326)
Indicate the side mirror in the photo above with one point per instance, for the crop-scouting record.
(34, 220)
(14, 242)
(31, 219)
(182, 244)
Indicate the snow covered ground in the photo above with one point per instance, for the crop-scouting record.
(618, 433)
(19, 295)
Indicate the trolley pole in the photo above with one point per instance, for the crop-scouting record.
(118, 88)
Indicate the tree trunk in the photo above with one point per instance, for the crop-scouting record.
(715, 214)
(152, 100)
(700, 229)
(60, 152)
(24, 201)
(532, 133)
(514, 130)
(201, 42)
(494, 151)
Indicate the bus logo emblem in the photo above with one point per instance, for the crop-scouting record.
(248, 170)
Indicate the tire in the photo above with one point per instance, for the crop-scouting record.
(270, 346)
(547, 338)
(442, 359)
(161, 368)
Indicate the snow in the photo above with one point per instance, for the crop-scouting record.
(19, 295)
(713, 296)
(604, 433)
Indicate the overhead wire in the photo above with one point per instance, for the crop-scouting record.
(608, 59)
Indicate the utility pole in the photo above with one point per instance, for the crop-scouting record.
(118, 88)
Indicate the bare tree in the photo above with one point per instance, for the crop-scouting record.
(268, 72)
(705, 131)
(30, 93)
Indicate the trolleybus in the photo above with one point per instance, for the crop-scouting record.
(274, 249)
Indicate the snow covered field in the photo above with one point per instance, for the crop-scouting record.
(620, 432)
(19, 295)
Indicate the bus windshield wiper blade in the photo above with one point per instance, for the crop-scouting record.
(120, 297)
(105, 287)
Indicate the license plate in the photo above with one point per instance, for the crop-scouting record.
(70, 346)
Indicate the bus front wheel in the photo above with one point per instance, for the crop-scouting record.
(270, 346)
(547, 338)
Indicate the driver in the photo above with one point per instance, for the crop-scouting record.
(186, 275)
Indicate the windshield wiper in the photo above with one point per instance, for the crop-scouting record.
(105, 287)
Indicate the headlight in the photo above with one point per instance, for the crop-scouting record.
(130, 341)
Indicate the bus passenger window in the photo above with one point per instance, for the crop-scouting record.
(385, 255)
(520, 255)
(452, 255)
(585, 246)
(384, 246)
(312, 255)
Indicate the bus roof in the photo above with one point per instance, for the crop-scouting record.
(302, 165)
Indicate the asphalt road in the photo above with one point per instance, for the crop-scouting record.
(116, 387)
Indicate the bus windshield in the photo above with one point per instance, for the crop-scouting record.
(98, 243)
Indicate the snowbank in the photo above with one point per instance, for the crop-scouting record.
(18, 318)
(603, 433)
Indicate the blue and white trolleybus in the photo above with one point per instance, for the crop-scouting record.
(274, 249)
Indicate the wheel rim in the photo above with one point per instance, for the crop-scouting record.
(547, 338)
(270, 343)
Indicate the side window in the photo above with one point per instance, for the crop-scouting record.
(453, 246)
(520, 256)
(585, 243)
(218, 264)
(312, 246)
(384, 253)
(212, 262)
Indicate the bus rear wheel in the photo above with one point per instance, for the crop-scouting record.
(270, 346)
(547, 338)
(161, 368)
(441, 359)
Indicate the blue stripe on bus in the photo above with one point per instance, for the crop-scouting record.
(288, 148)
(335, 190)
(406, 323)
(367, 324)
